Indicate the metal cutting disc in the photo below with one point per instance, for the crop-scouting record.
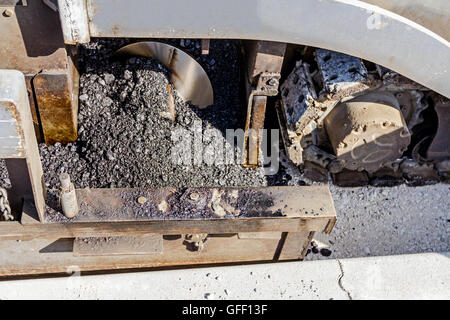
(187, 75)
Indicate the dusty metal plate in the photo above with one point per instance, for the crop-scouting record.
(117, 205)
(125, 245)
(187, 75)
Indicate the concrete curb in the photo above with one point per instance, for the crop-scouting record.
(416, 276)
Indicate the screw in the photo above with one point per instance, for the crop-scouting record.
(7, 13)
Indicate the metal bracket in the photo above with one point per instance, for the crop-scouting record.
(267, 86)
(18, 142)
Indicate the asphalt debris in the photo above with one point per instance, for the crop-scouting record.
(124, 141)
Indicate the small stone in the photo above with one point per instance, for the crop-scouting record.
(83, 97)
(109, 78)
(107, 102)
(367, 250)
(325, 252)
(209, 296)
(127, 74)
(110, 155)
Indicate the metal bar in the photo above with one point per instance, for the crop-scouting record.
(17, 231)
(49, 256)
(253, 136)
(162, 204)
(74, 21)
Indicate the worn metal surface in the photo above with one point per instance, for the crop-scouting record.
(56, 93)
(434, 15)
(18, 141)
(253, 130)
(352, 27)
(368, 132)
(195, 203)
(31, 39)
(74, 21)
(187, 75)
(262, 57)
(127, 245)
(40, 256)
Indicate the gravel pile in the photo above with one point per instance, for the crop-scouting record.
(123, 139)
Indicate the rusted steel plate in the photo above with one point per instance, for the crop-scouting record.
(125, 245)
(116, 205)
(56, 95)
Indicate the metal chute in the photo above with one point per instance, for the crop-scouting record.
(187, 75)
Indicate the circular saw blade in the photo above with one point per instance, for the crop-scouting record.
(187, 75)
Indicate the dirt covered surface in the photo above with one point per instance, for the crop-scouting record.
(167, 204)
(123, 139)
